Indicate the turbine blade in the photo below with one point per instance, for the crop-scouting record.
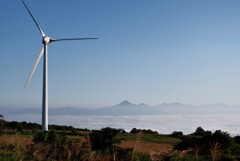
(54, 40)
(34, 67)
(41, 31)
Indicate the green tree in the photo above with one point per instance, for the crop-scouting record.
(1, 124)
(225, 144)
(177, 134)
(104, 139)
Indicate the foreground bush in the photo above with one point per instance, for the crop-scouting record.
(98, 146)
(214, 146)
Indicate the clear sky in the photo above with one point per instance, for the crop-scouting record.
(151, 51)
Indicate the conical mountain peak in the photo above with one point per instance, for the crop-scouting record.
(126, 103)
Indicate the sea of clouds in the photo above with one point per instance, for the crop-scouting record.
(164, 124)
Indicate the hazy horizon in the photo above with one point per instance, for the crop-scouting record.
(91, 106)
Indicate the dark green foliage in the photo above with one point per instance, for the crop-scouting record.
(21, 125)
(217, 144)
(65, 128)
(11, 125)
(152, 138)
(226, 158)
(187, 158)
(187, 142)
(49, 137)
(25, 128)
(226, 142)
(177, 134)
(1, 126)
(134, 131)
(12, 152)
(104, 139)
(54, 146)
(142, 157)
(123, 154)
(237, 139)
(201, 132)
(104, 142)
(143, 131)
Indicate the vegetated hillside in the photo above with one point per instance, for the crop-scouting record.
(127, 108)
(68, 143)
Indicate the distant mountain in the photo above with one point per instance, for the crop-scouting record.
(176, 108)
(125, 103)
(27, 111)
(128, 108)
(181, 109)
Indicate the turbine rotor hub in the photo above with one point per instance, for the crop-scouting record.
(46, 40)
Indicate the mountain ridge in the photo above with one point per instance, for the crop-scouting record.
(127, 108)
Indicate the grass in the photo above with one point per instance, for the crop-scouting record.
(13, 147)
(149, 142)
(11, 139)
(152, 138)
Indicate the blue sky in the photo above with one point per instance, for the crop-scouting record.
(157, 51)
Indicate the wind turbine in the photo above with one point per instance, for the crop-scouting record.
(44, 52)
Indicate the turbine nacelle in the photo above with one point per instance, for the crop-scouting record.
(46, 40)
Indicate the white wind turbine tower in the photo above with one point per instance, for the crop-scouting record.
(44, 52)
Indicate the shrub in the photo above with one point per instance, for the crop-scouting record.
(214, 144)
(177, 134)
(104, 139)
(143, 131)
